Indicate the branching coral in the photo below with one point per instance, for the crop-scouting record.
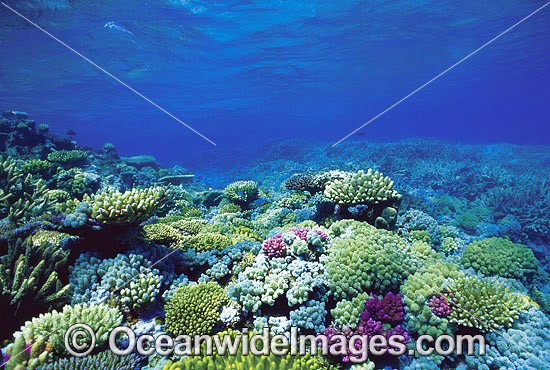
(418, 291)
(106, 360)
(194, 310)
(482, 303)
(53, 325)
(130, 207)
(68, 157)
(21, 197)
(239, 360)
(242, 192)
(29, 278)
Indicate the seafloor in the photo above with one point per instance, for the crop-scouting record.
(450, 239)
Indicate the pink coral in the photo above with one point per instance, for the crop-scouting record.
(439, 305)
(274, 247)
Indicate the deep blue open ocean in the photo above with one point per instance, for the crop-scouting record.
(360, 167)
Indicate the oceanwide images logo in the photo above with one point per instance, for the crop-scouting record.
(80, 340)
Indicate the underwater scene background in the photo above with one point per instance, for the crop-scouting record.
(434, 219)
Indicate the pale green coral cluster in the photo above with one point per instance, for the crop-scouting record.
(132, 206)
(242, 192)
(194, 310)
(269, 361)
(418, 289)
(53, 325)
(365, 258)
(362, 188)
(21, 358)
(66, 157)
(141, 291)
(484, 304)
(500, 257)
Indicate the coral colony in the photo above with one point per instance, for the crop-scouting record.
(443, 247)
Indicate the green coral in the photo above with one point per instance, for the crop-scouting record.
(501, 257)
(484, 304)
(161, 234)
(362, 188)
(416, 292)
(68, 157)
(141, 292)
(242, 361)
(132, 206)
(21, 358)
(45, 237)
(53, 325)
(35, 166)
(248, 233)
(58, 196)
(204, 242)
(242, 193)
(366, 258)
(106, 360)
(21, 197)
(189, 227)
(29, 279)
(194, 310)
(347, 313)
(230, 208)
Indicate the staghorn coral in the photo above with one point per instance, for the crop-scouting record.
(29, 278)
(194, 310)
(312, 182)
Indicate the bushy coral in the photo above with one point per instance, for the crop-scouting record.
(366, 258)
(526, 345)
(414, 221)
(53, 325)
(362, 188)
(501, 257)
(132, 206)
(106, 360)
(312, 182)
(29, 278)
(194, 310)
(35, 166)
(239, 360)
(26, 354)
(68, 157)
(161, 233)
(482, 303)
(242, 192)
(141, 291)
(419, 289)
(274, 247)
(205, 241)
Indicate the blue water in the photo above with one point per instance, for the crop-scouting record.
(251, 72)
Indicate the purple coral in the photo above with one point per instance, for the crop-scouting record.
(439, 305)
(388, 309)
(274, 247)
